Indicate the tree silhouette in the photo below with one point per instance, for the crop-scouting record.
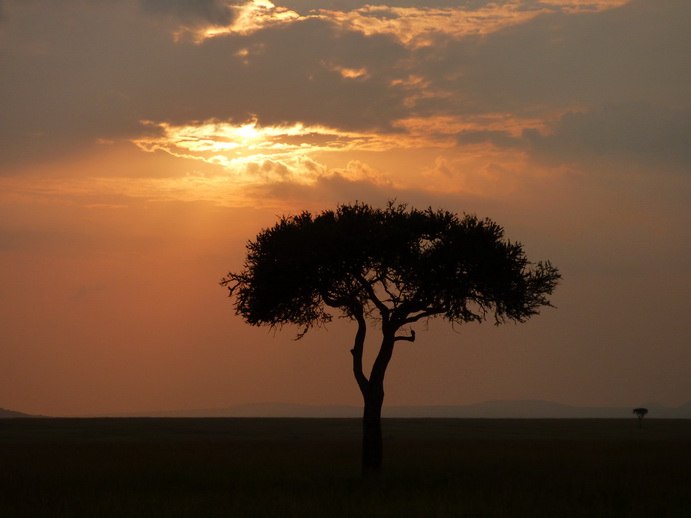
(389, 267)
(640, 413)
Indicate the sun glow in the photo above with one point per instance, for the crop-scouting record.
(461, 153)
(228, 144)
(249, 133)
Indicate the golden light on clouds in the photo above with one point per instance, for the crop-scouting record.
(349, 73)
(237, 160)
(413, 27)
(250, 17)
(419, 27)
(251, 154)
(228, 144)
(577, 6)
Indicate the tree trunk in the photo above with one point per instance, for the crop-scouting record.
(373, 395)
(372, 441)
(372, 390)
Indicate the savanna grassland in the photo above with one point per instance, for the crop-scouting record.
(310, 467)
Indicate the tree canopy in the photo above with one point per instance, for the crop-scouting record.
(396, 265)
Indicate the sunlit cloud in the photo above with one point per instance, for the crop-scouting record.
(238, 160)
(412, 26)
(348, 73)
(250, 17)
(419, 27)
(227, 144)
(249, 154)
(252, 154)
(585, 5)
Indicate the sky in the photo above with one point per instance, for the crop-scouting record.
(144, 142)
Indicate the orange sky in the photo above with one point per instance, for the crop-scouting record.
(143, 142)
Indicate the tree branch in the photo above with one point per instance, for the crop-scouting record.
(424, 314)
(373, 297)
(357, 351)
(392, 297)
(410, 338)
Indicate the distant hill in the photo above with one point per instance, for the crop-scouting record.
(4, 414)
(486, 410)
(258, 410)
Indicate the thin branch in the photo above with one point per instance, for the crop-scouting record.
(425, 314)
(373, 297)
(395, 300)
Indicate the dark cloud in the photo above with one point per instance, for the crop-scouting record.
(637, 131)
(294, 76)
(280, 74)
(632, 53)
(65, 68)
(217, 12)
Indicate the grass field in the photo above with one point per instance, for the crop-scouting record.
(310, 467)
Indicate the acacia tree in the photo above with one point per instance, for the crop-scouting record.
(391, 268)
(640, 413)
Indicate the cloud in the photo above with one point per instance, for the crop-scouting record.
(357, 171)
(228, 143)
(635, 131)
(216, 12)
(631, 53)
(498, 138)
(68, 74)
(412, 26)
(305, 6)
(238, 18)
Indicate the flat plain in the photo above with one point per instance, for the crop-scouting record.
(227, 467)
